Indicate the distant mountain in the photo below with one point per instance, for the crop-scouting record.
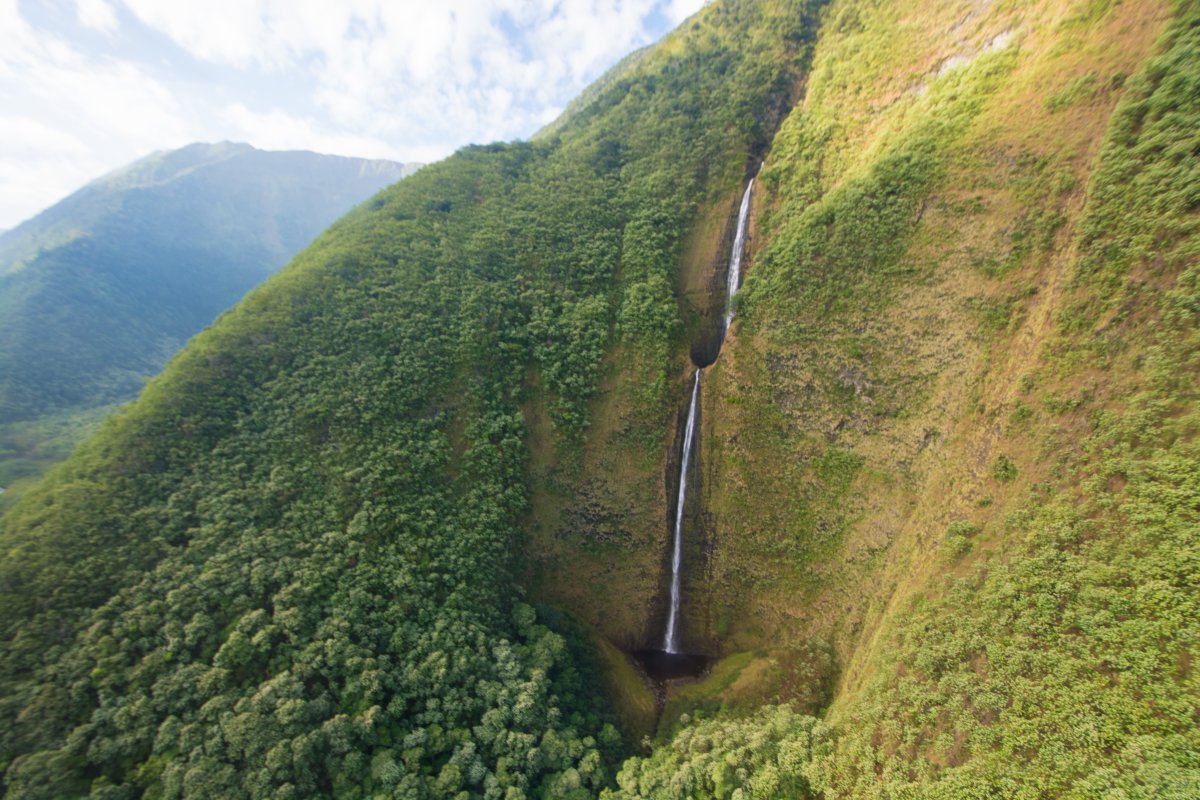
(99, 290)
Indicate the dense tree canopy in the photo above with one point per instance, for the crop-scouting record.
(287, 570)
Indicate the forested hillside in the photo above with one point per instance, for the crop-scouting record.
(390, 526)
(98, 291)
(288, 570)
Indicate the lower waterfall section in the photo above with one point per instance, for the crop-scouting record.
(669, 661)
(671, 635)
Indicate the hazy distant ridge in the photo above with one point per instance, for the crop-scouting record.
(100, 289)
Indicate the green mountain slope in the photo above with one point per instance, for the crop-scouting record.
(383, 529)
(98, 291)
(323, 491)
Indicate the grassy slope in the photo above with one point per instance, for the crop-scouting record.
(963, 391)
(913, 237)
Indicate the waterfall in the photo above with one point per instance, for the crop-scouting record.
(735, 256)
(670, 643)
(671, 637)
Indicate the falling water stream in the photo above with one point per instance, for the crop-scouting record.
(734, 278)
(670, 661)
(671, 637)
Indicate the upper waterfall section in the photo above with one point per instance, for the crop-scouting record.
(734, 276)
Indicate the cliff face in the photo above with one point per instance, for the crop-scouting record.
(950, 452)
(914, 218)
(944, 448)
(945, 509)
(602, 498)
(917, 253)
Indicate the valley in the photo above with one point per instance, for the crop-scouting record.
(809, 412)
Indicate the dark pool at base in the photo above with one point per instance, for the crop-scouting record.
(663, 666)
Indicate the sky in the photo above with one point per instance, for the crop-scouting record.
(87, 86)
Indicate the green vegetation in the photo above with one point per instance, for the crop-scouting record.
(1004, 469)
(958, 538)
(289, 569)
(819, 366)
(731, 759)
(1054, 658)
(100, 290)
(949, 494)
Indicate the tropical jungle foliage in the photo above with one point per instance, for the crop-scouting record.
(949, 495)
(288, 570)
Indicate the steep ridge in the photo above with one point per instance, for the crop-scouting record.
(287, 570)
(951, 447)
(945, 527)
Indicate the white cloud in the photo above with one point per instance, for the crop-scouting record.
(215, 30)
(278, 130)
(97, 15)
(679, 10)
(71, 117)
(373, 78)
(37, 157)
(451, 71)
(30, 138)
